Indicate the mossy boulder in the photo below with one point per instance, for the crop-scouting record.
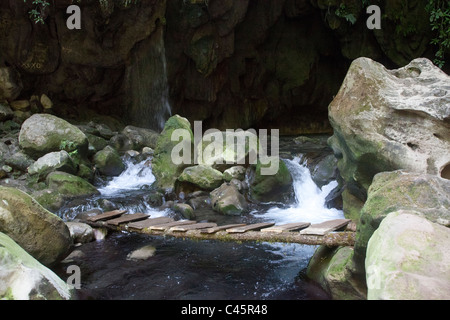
(22, 277)
(63, 187)
(332, 269)
(408, 259)
(41, 233)
(186, 210)
(70, 185)
(397, 190)
(270, 187)
(204, 177)
(44, 133)
(164, 168)
(109, 162)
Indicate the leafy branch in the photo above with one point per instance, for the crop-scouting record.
(439, 11)
(36, 13)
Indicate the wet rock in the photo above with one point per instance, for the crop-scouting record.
(332, 269)
(142, 253)
(108, 162)
(186, 210)
(200, 202)
(32, 226)
(97, 143)
(325, 171)
(80, 232)
(269, 187)
(228, 200)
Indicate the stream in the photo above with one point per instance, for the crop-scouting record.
(199, 270)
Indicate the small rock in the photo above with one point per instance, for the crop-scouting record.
(46, 102)
(147, 151)
(186, 210)
(143, 253)
(80, 232)
(227, 200)
(20, 105)
(5, 112)
(236, 172)
(100, 233)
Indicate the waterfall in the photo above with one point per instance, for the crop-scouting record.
(135, 176)
(147, 88)
(310, 199)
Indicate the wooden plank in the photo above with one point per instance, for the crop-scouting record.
(195, 226)
(127, 218)
(106, 215)
(325, 227)
(149, 222)
(220, 228)
(165, 226)
(287, 227)
(250, 227)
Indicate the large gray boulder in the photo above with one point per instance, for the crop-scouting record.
(385, 120)
(23, 278)
(408, 258)
(41, 233)
(44, 133)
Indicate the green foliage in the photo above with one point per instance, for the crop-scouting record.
(36, 13)
(439, 11)
(343, 12)
(40, 5)
(68, 146)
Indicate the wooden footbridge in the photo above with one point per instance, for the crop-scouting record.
(331, 233)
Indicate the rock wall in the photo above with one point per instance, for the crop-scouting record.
(233, 64)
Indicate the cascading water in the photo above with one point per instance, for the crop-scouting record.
(310, 199)
(134, 177)
(147, 84)
(206, 269)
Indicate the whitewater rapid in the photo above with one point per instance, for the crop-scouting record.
(309, 206)
(310, 200)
